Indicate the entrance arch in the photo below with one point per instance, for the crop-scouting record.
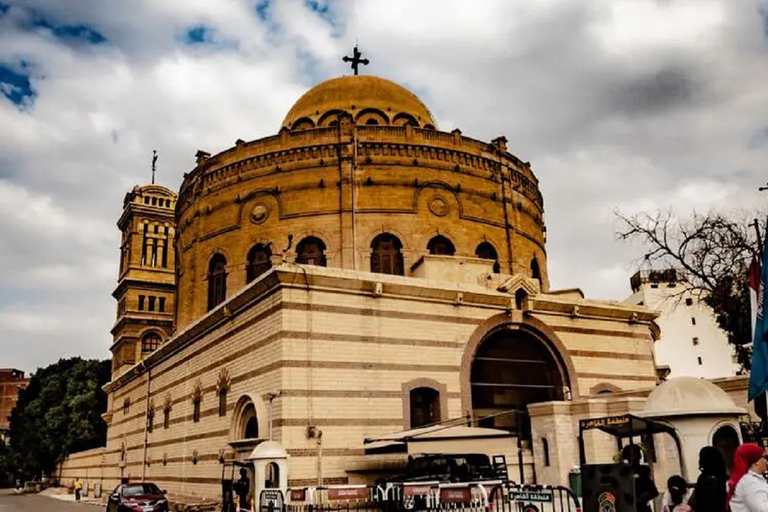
(498, 375)
(249, 420)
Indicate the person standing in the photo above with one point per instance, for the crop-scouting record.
(710, 492)
(645, 489)
(747, 488)
(78, 488)
(677, 488)
(242, 489)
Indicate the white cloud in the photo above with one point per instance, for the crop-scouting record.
(617, 103)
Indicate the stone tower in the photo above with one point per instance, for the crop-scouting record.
(146, 289)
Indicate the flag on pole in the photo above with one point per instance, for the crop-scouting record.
(758, 376)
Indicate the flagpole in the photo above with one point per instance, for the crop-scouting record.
(760, 406)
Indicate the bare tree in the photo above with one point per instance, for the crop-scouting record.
(713, 252)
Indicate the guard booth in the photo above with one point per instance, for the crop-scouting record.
(611, 487)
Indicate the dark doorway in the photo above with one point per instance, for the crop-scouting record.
(512, 369)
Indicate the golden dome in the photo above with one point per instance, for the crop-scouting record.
(369, 99)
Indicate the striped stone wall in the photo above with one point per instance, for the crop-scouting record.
(341, 357)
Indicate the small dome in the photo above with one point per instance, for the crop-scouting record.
(269, 450)
(368, 99)
(688, 396)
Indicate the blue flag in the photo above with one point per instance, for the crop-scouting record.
(758, 377)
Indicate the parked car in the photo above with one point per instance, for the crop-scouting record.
(466, 467)
(137, 497)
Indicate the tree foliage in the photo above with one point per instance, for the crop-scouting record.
(59, 413)
(713, 252)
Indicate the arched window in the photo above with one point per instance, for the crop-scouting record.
(258, 262)
(535, 270)
(167, 416)
(425, 407)
(487, 251)
(222, 402)
(217, 280)
(387, 255)
(272, 476)
(311, 251)
(252, 428)
(520, 297)
(150, 342)
(196, 408)
(512, 369)
(726, 440)
(441, 246)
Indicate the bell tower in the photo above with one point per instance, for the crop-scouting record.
(146, 290)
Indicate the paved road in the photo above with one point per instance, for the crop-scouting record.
(31, 503)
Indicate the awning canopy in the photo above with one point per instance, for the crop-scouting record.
(626, 425)
(398, 441)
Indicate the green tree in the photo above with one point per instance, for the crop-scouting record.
(713, 252)
(59, 413)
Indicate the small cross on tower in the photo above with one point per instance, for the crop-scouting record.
(154, 165)
(355, 59)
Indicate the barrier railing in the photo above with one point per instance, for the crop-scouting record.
(486, 496)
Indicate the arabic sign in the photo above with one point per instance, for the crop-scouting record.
(610, 421)
(354, 493)
(416, 490)
(298, 495)
(462, 495)
(540, 496)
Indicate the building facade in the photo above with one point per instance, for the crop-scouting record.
(357, 274)
(12, 381)
(691, 342)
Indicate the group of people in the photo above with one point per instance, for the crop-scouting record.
(746, 490)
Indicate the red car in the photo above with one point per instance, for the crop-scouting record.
(137, 497)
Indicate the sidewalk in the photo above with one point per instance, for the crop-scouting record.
(65, 496)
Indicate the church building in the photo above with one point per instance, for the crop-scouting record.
(357, 274)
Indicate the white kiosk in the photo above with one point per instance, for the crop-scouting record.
(270, 470)
(701, 413)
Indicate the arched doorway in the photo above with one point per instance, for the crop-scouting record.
(726, 440)
(511, 369)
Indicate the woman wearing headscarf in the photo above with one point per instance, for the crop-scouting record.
(747, 488)
(710, 491)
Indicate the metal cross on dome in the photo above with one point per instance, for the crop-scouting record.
(355, 59)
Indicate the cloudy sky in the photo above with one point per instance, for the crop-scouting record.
(630, 104)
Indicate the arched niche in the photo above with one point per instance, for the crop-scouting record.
(371, 117)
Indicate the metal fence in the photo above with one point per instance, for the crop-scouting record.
(487, 496)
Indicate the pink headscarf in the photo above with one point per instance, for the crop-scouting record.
(746, 455)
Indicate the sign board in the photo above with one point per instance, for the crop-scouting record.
(353, 493)
(610, 421)
(298, 495)
(539, 496)
(416, 490)
(460, 495)
(271, 500)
